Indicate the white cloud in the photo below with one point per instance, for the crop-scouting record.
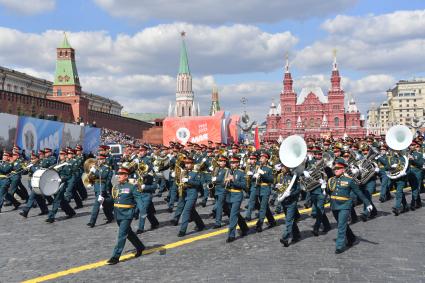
(400, 25)
(154, 50)
(222, 11)
(27, 8)
(391, 43)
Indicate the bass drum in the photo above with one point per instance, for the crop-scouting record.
(45, 182)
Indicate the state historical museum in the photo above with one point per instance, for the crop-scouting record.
(313, 114)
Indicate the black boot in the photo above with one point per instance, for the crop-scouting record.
(113, 260)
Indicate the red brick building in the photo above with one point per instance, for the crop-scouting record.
(312, 114)
(63, 99)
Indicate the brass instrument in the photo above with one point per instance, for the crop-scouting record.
(87, 177)
(367, 166)
(316, 173)
(216, 167)
(248, 178)
(228, 173)
(399, 138)
(24, 167)
(257, 171)
(141, 171)
(180, 173)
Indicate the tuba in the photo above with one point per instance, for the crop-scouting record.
(367, 166)
(292, 154)
(316, 173)
(399, 138)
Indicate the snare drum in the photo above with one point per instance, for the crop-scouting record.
(45, 182)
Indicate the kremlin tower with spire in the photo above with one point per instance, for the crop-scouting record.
(185, 103)
(312, 114)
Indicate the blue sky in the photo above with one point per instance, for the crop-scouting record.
(108, 34)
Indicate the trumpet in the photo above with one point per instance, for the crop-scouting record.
(227, 176)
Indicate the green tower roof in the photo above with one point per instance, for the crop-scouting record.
(184, 62)
(65, 43)
(66, 69)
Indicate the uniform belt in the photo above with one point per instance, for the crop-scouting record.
(119, 205)
(234, 190)
(340, 198)
(264, 184)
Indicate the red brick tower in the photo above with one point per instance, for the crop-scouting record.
(336, 117)
(288, 101)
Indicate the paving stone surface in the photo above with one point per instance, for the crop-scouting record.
(391, 249)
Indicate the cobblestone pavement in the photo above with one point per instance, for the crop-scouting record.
(391, 249)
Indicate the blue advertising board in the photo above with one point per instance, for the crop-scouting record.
(35, 134)
(91, 139)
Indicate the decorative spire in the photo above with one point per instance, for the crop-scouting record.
(184, 62)
(65, 42)
(335, 66)
(287, 80)
(287, 63)
(335, 79)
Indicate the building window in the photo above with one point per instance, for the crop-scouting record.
(311, 122)
(189, 111)
(336, 121)
(59, 93)
(288, 123)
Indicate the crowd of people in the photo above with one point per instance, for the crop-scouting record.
(115, 137)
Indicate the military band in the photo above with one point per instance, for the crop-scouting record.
(343, 172)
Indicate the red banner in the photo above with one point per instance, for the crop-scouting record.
(193, 129)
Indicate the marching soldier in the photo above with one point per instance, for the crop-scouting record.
(339, 188)
(15, 178)
(192, 183)
(65, 173)
(126, 197)
(368, 189)
(147, 189)
(264, 180)
(79, 158)
(220, 185)
(5, 168)
(414, 174)
(100, 175)
(39, 199)
(234, 196)
(288, 182)
(318, 198)
(71, 189)
(382, 162)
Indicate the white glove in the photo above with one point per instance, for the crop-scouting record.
(211, 168)
(156, 168)
(376, 169)
(355, 170)
(278, 167)
(214, 179)
(89, 186)
(249, 173)
(261, 172)
(324, 192)
(143, 186)
(100, 199)
(169, 155)
(394, 166)
(256, 175)
(93, 169)
(185, 180)
(310, 157)
(321, 181)
(204, 159)
(369, 208)
(306, 174)
(278, 185)
(173, 174)
(377, 157)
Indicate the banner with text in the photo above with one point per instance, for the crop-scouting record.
(193, 129)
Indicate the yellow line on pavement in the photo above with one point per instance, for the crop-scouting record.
(177, 244)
